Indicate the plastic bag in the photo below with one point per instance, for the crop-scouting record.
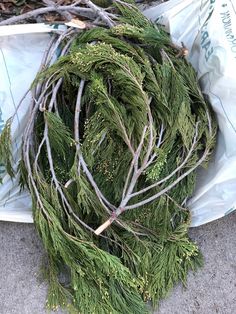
(21, 51)
(208, 29)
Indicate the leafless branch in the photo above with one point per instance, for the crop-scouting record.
(134, 163)
(100, 12)
(36, 12)
(160, 141)
(67, 207)
(169, 187)
(99, 194)
(175, 171)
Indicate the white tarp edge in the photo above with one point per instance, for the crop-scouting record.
(21, 51)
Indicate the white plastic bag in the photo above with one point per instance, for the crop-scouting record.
(208, 29)
(21, 51)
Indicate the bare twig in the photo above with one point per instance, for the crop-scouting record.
(26, 157)
(41, 101)
(36, 12)
(169, 187)
(67, 206)
(100, 12)
(134, 163)
(175, 171)
(126, 137)
(160, 141)
(173, 201)
(99, 194)
(151, 136)
(65, 14)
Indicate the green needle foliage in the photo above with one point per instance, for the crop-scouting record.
(5, 148)
(118, 142)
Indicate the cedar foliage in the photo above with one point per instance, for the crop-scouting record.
(125, 148)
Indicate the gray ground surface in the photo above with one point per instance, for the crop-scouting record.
(211, 290)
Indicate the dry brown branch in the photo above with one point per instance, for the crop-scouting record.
(36, 12)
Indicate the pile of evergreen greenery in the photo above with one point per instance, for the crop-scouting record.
(117, 129)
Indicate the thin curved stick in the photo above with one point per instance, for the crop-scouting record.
(100, 12)
(57, 184)
(134, 163)
(152, 198)
(78, 149)
(173, 172)
(36, 12)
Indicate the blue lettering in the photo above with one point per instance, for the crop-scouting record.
(207, 45)
(205, 35)
(209, 53)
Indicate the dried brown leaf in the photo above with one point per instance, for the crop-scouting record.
(77, 23)
(2, 6)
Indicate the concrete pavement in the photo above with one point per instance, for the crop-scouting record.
(211, 290)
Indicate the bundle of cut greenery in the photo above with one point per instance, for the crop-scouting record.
(117, 129)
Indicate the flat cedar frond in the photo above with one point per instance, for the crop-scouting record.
(109, 156)
(6, 148)
(59, 135)
(131, 14)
